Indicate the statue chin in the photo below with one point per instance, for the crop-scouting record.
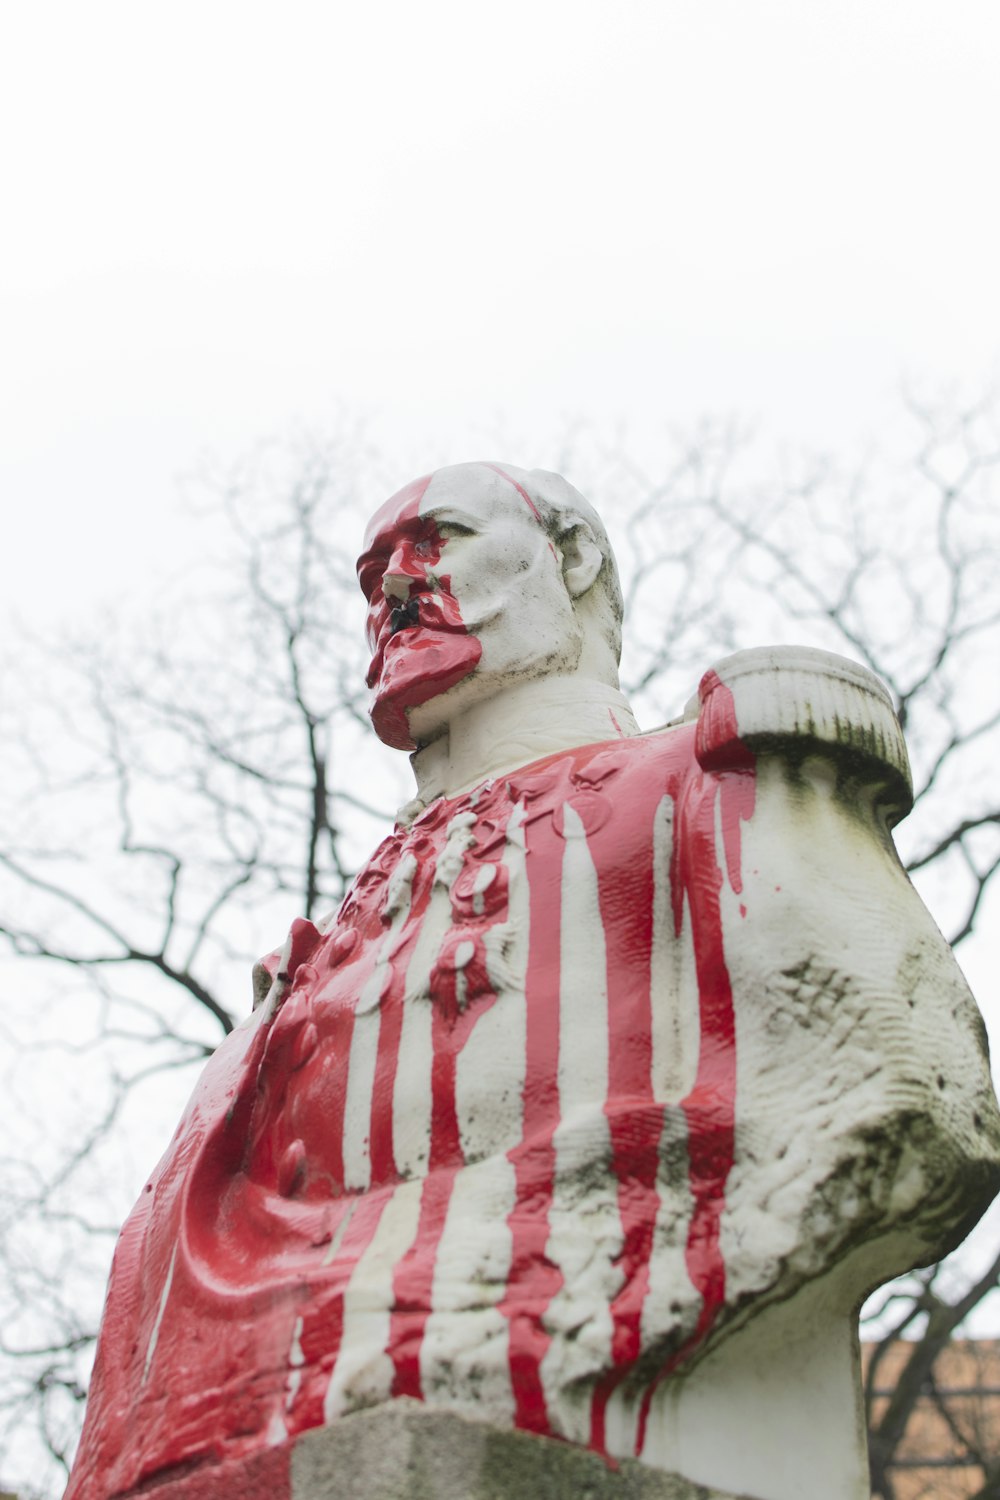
(418, 666)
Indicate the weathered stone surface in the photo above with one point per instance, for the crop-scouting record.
(404, 1451)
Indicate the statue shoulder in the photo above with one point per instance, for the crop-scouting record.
(796, 701)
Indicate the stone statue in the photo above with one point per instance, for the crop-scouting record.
(629, 1064)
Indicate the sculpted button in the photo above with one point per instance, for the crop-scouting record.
(291, 1168)
(457, 955)
(491, 835)
(592, 812)
(398, 890)
(479, 891)
(305, 978)
(598, 769)
(343, 945)
(305, 1045)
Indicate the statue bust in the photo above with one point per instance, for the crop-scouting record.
(628, 1065)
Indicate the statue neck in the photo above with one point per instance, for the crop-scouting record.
(526, 723)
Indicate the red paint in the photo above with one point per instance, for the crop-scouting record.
(423, 660)
(536, 513)
(533, 1280)
(696, 878)
(520, 490)
(463, 994)
(248, 1200)
(627, 912)
(413, 1284)
(709, 1109)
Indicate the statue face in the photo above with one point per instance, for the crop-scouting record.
(465, 597)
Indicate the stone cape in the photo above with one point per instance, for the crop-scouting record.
(596, 1062)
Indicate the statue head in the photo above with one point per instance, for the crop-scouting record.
(480, 577)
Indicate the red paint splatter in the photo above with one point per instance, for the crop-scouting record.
(696, 878)
(463, 993)
(413, 665)
(527, 500)
(520, 490)
(533, 1280)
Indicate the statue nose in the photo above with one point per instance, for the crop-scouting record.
(398, 585)
(403, 569)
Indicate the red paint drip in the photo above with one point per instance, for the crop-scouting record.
(710, 1107)
(533, 1279)
(462, 994)
(323, 1321)
(520, 490)
(413, 1285)
(381, 1150)
(323, 1316)
(634, 1118)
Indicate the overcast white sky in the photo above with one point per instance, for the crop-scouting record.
(225, 219)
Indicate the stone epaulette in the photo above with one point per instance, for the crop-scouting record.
(795, 693)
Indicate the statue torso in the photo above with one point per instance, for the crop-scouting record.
(519, 1130)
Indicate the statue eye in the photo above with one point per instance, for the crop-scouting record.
(448, 529)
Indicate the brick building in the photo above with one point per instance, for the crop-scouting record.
(952, 1441)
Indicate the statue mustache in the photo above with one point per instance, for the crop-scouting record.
(404, 615)
(427, 611)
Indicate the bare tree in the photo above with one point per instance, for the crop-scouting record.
(176, 786)
(930, 1402)
(181, 785)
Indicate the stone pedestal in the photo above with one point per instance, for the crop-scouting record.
(406, 1451)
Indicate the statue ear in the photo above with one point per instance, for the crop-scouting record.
(581, 558)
